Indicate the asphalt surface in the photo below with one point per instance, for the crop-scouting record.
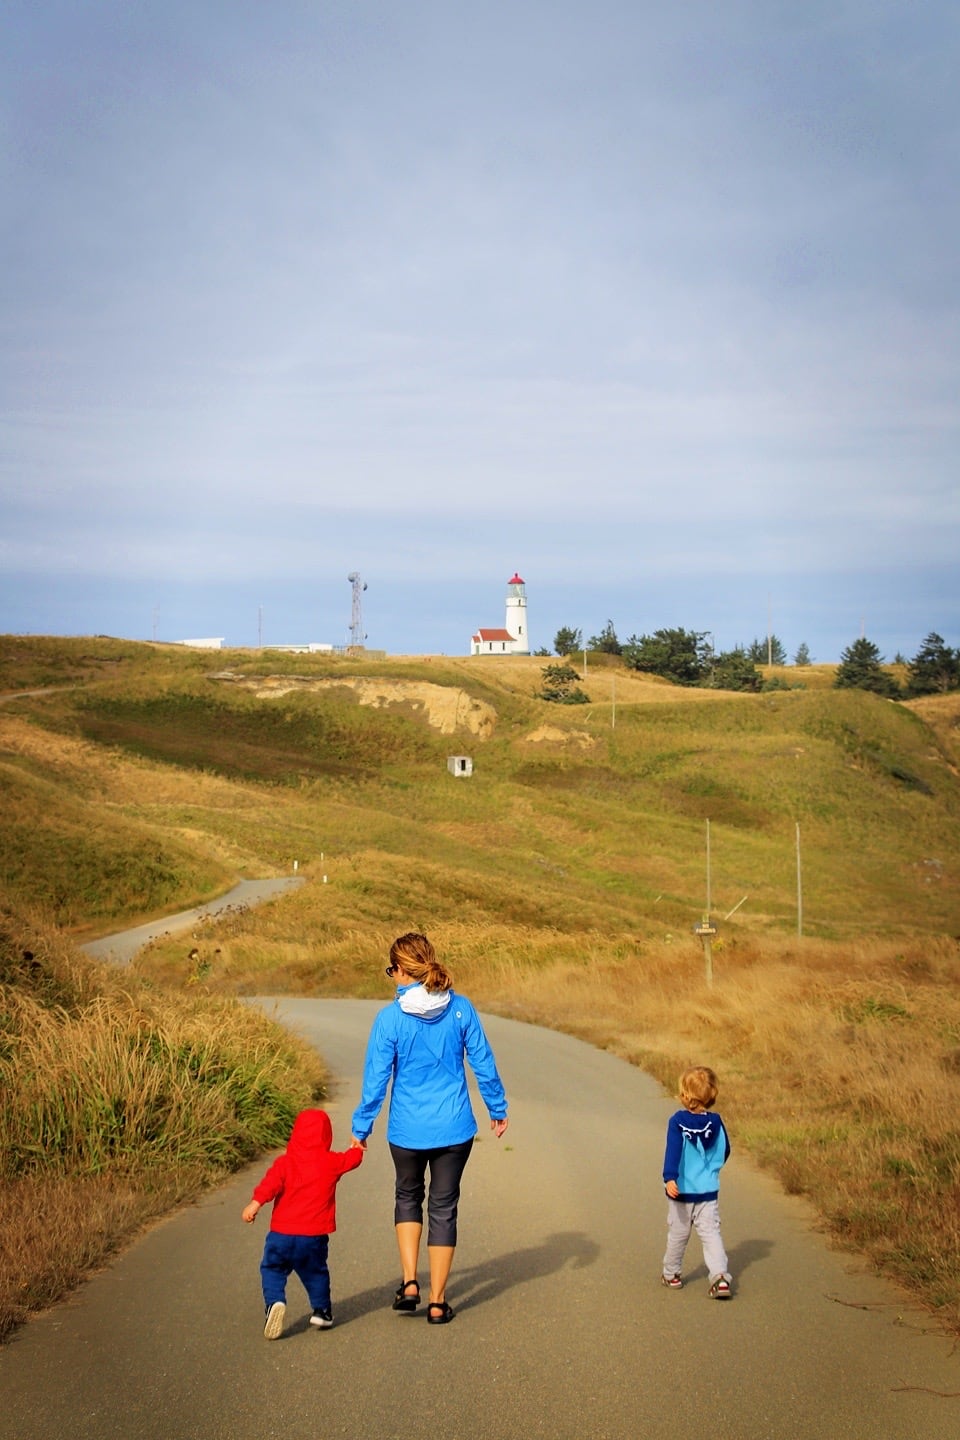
(122, 948)
(562, 1328)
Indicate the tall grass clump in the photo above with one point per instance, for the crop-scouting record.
(117, 1100)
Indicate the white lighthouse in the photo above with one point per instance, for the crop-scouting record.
(516, 621)
(514, 638)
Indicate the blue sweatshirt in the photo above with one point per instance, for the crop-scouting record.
(419, 1043)
(697, 1146)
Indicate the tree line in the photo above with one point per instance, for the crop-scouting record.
(687, 657)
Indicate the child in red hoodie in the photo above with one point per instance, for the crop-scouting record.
(302, 1183)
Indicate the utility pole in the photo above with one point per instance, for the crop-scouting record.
(799, 887)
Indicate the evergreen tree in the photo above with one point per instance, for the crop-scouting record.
(935, 668)
(680, 655)
(606, 642)
(566, 640)
(861, 668)
(733, 670)
(802, 656)
(759, 650)
(561, 686)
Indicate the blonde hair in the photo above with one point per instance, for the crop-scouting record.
(418, 959)
(698, 1088)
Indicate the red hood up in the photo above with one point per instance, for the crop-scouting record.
(311, 1131)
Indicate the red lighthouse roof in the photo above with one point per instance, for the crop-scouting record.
(515, 579)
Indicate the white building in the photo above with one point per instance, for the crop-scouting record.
(312, 647)
(514, 638)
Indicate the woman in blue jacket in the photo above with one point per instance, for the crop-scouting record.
(420, 1044)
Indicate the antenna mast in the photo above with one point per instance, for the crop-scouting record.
(357, 636)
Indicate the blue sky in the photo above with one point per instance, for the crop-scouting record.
(656, 304)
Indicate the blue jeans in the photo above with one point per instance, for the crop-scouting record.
(306, 1256)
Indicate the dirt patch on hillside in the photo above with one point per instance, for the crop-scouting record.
(552, 735)
(445, 709)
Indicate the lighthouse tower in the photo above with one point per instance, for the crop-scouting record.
(516, 621)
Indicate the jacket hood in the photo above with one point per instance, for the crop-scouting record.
(426, 1005)
(311, 1131)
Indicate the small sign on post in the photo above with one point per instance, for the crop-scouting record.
(706, 929)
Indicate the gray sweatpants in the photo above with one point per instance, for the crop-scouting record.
(704, 1217)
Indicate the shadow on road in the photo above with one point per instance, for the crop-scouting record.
(476, 1284)
(741, 1257)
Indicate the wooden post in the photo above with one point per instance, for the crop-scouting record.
(707, 959)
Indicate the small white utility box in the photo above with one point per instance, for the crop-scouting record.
(460, 765)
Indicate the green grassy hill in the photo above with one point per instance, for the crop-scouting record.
(161, 772)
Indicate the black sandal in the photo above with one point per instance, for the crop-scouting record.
(403, 1301)
(445, 1316)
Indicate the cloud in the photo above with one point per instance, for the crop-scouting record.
(639, 292)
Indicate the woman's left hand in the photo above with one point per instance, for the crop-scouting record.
(498, 1126)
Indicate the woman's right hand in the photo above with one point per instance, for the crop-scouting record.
(498, 1126)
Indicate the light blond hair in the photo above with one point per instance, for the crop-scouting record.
(698, 1088)
(418, 959)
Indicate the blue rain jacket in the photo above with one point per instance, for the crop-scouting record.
(421, 1056)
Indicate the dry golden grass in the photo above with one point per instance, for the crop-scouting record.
(116, 1102)
(607, 679)
(56, 1230)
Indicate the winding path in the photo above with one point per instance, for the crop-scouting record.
(121, 948)
(562, 1328)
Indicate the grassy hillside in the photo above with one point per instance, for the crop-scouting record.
(562, 879)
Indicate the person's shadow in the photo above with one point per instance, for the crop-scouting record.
(476, 1284)
(570, 1250)
(740, 1258)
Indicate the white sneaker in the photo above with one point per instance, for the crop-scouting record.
(273, 1328)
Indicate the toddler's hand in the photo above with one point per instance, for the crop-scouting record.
(250, 1212)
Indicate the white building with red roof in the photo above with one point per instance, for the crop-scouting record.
(513, 638)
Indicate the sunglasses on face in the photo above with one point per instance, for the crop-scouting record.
(391, 969)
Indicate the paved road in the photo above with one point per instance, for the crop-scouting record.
(122, 948)
(562, 1328)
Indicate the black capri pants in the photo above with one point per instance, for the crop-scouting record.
(446, 1168)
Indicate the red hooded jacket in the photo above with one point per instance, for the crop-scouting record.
(302, 1182)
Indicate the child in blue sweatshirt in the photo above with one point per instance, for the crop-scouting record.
(697, 1146)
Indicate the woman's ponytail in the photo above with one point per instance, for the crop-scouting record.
(418, 959)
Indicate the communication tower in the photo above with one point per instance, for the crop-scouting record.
(357, 636)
